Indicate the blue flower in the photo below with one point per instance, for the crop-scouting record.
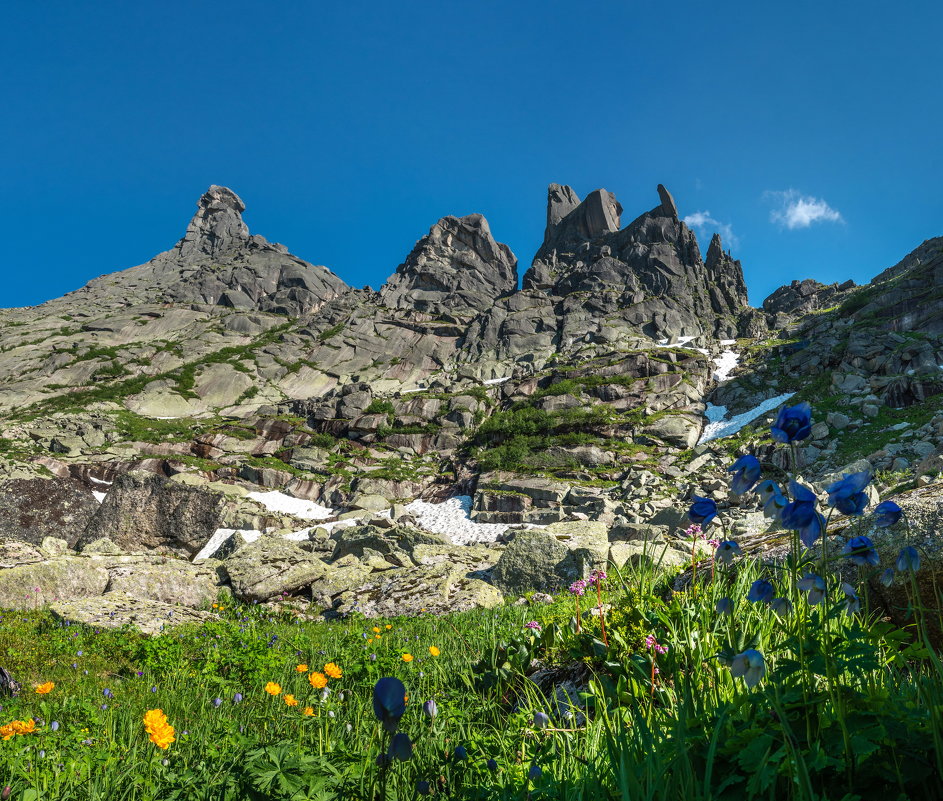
(541, 720)
(431, 709)
(860, 551)
(887, 513)
(389, 702)
(491, 765)
(908, 559)
(401, 747)
(702, 511)
(423, 787)
(813, 585)
(54, 725)
(746, 472)
(887, 577)
(461, 752)
(534, 773)
(793, 423)
(781, 606)
(852, 602)
(772, 499)
(810, 532)
(237, 698)
(217, 702)
(726, 551)
(847, 495)
(761, 592)
(801, 511)
(750, 666)
(724, 606)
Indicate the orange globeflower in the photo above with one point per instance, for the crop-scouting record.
(24, 726)
(388, 627)
(308, 711)
(433, 650)
(317, 680)
(291, 700)
(273, 689)
(159, 731)
(333, 670)
(407, 657)
(301, 668)
(376, 629)
(44, 689)
(6, 732)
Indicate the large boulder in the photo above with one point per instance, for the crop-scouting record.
(35, 508)
(537, 560)
(39, 584)
(271, 567)
(147, 512)
(115, 610)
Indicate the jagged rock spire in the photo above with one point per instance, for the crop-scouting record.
(668, 206)
(216, 227)
(561, 200)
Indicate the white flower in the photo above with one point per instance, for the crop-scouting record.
(750, 666)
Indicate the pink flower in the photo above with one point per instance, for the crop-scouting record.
(578, 587)
(596, 578)
(533, 625)
(652, 644)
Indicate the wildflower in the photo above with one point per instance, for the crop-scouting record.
(376, 629)
(301, 668)
(108, 693)
(153, 689)
(852, 602)
(237, 698)
(54, 726)
(317, 680)
(534, 773)
(401, 747)
(389, 702)
(596, 577)
(308, 711)
(423, 787)
(407, 657)
(746, 472)
(290, 700)
(724, 606)
(45, 689)
(909, 559)
(750, 666)
(860, 551)
(813, 585)
(541, 720)
(761, 592)
(793, 424)
(578, 587)
(800, 512)
(652, 644)
(726, 551)
(887, 513)
(782, 607)
(461, 752)
(159, 731)
(533, 625)
(702, 511)
(388, 626)
(325, 693)
(887, 577)
(491, 764)
(217, 702)
(333, 670)
(273, 689)
(848, 495)
(433, 651)
(810, 532)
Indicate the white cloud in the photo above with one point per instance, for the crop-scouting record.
(795, 210)
(707, 225)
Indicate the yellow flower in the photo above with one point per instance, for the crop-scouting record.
(44, 689)
(301, 668)
(333, 670)
(215, 606)
(291, 700)
(308, 711)
(378, 636)
(388, 627)
(370, 639)
(433, 650)
(376, 629)
(273, 689)
(24, 726)
(317, 680)
(7, 731)
(407, 657)
(159, 731)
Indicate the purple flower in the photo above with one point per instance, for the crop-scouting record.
(578, 587)
(217, 702)
(533, 625)
(108, 693)
(237, 698)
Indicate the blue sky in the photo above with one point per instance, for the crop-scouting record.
(810, 130)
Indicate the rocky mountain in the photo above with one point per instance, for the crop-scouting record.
(447, 441)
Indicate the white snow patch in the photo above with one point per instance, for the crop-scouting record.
(172, 417)
(276, 501)
(100, 481)
(220, 536)
(417, 389)
(728, 342)
(452, 518)
(726, 363)
(717, 427)
(492, 381)
(99, 496)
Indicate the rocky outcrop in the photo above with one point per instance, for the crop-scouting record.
(35, 508)
(457, 268)
(802, 297)
(216, 228)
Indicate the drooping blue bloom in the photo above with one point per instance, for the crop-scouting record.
(423, 787)
(794, 423)
(813, 585)
(799, 513)
(726, 551)
(401, 747)
(724, 606)
(237, 698)
(491, 764)
(749, 666)
(108, 693)
(814, 529)
(461, 752)
(389, 702)
(54, 725)
(847, 495)
(761, 591)
(852, 602)
(534, 773)
(541, 720)
(772, 499)
(887, 513)
(887, 577)
(909, 559)
(782, 607)
(217, 702)
(430, 708)
(746, 472)
(860, 551)
(702, 511)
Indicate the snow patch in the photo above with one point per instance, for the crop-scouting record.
(728, 342)
(408, 391)
(99, 496)
(717, 427)
(452, 518)
(492, 381)
(276, 501)
(172, 417)
(726, 363)
(100, 481)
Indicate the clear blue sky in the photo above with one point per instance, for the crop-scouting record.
(811, 129)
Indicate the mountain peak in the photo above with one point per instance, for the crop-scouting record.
(216, 227)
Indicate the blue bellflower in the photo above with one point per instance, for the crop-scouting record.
(726, 551)
(887, 577)
(860, 551)
(848, 495)
(702, 511)
(761, 592)
(794, 423)
(812, 530)
(746, 472)
(887, 513)
(749, 666)
(909, 559)
(801, 511)
(389, 702)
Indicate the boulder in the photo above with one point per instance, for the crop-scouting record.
(39, 584)
(35, 508)
(271, 567)
(115, 610)
(537, 560)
